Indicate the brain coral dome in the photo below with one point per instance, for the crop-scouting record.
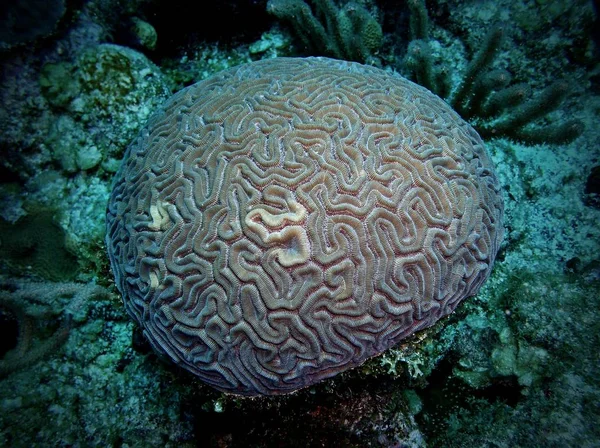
(287, 219)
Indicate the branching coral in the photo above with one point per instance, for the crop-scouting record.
(345, 32)
(495, 107)
(44, 322)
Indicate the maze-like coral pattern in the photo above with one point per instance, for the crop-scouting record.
(287, 219)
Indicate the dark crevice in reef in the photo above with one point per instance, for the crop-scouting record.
(225, 22)
(8, 176)
(350, 413)
(10, 330)
(13, 165)
(446, 395)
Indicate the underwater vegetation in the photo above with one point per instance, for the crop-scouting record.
(521, 354)
(36, 243)
(348, 30)
(33, 306)
(497, 107)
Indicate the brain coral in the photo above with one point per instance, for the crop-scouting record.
(287, 219)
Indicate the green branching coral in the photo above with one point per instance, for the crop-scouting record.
(45, 313)
(348, 31)
(496, 108)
